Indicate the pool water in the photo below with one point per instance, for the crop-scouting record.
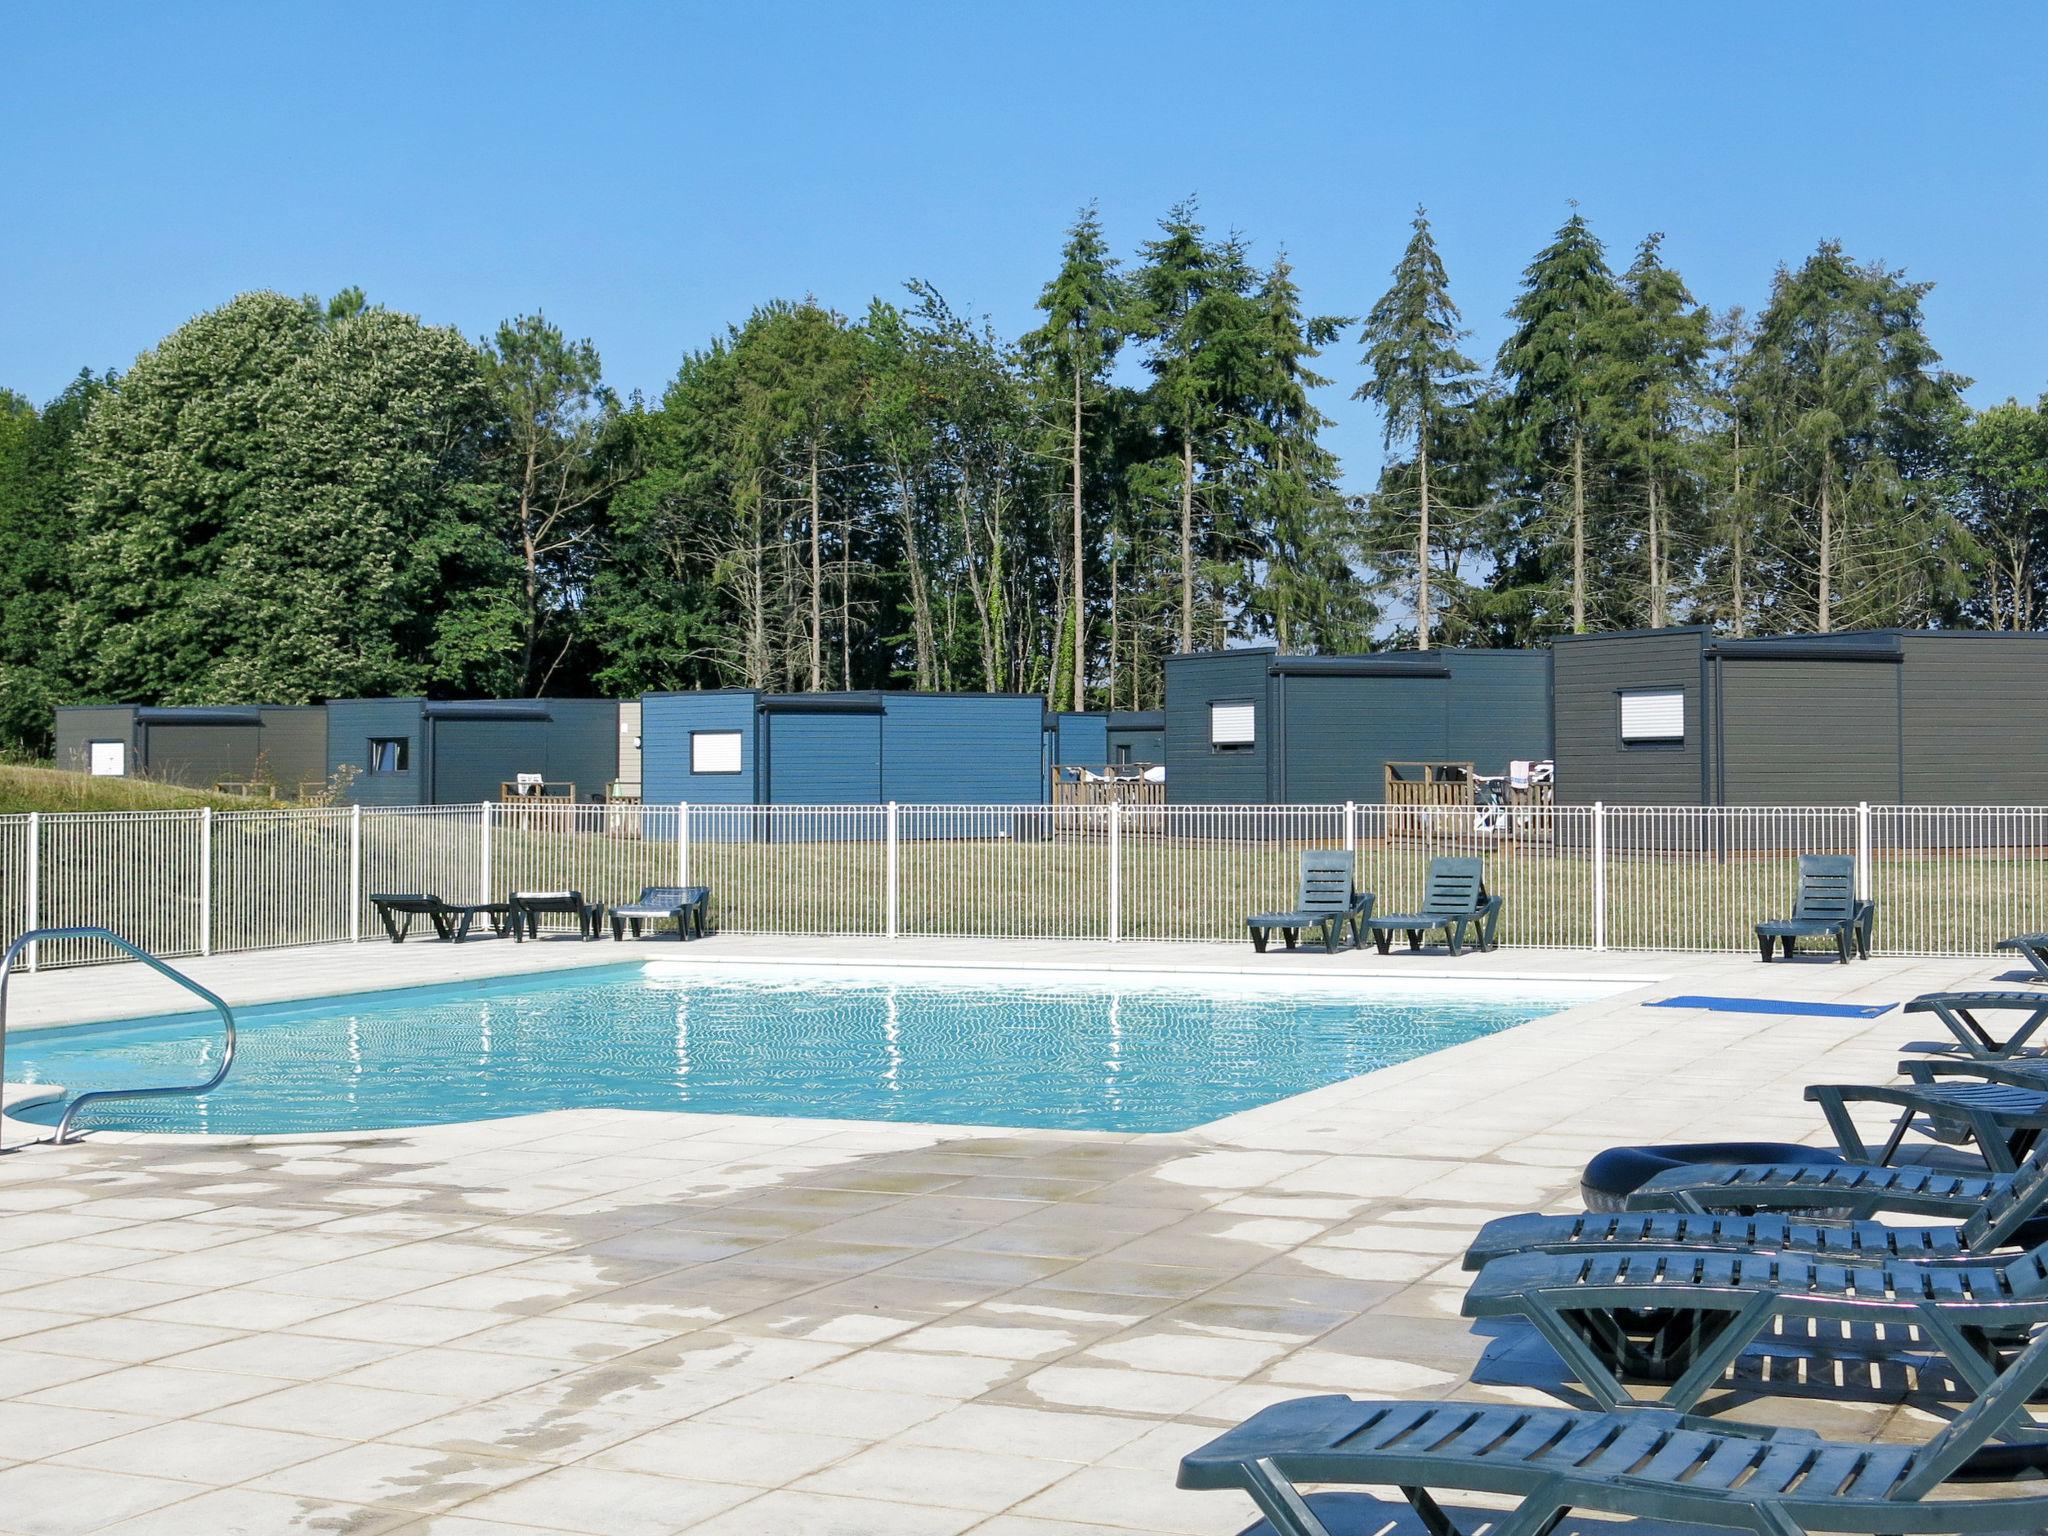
(978, 1049)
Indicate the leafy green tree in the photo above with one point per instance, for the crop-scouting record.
(2003, 454)
(285, 505)
(1853, 416)
(37, 471)
(1419, 379)
(1554, 365)
(1084, 328)
(557, 426)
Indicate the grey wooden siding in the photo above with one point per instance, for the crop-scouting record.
(77, 727)
(1807, 732)
(824, 759)
(1499, 708)
(199, 756)
(1339, 733)
(1195, 773)
(1975, 719)
(294, 745)
(1137, 736)
(351, 724)
(972, 748)
(667, 721)
(1588, 674)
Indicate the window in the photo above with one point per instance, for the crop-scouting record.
(714, 751)
(390, 754)
(1232, 726)
(1652, 716)
(107, 759)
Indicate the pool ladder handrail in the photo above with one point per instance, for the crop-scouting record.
(136, 951)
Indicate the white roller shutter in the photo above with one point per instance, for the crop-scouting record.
(1653, 715)
(715, 752)
(1232, 725)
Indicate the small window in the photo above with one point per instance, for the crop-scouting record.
(390, 754)
(714, 751)
(1232, 726)
(1653, 716)
(107, 759)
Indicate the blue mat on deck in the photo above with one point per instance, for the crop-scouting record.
(1777, 1005)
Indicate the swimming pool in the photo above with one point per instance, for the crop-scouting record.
(977, 1048)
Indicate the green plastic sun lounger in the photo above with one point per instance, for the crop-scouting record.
(1824, 906)
(1848, 1191)
(1995, 1224)
(1453, 901)
(1681, 1317)
(2034, 946)
(1642, 1462)
(2004, 1118)
(1958, 1013)
(1328, 903)
(686, 906)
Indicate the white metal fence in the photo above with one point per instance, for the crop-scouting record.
(1947, 880)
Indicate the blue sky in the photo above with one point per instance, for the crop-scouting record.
(648, 173)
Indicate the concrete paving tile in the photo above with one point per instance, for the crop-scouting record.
(198, 1451)
(44, 1499)
(598, 1501)
(249, 1512)
(398, 1476)
(159, 1390)
(906, 1473)
(329, 1408)
(788, 1512)
(727, 1453)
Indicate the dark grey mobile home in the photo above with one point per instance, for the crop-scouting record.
(459, 752)
(1915, 717)
(197, 746)
(1254, 727)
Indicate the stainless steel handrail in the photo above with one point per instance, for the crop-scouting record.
(108, 936)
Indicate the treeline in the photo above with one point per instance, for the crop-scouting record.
(289, 500)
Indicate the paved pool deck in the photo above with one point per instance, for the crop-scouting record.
(634, 1324)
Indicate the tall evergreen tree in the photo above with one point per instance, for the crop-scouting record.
(1650, 401)
(2003, 455)
(1084, 329)
(1853, 411)
(1419, 378)
(1554, 365)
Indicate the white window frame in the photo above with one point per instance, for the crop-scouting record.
(1233, 725)
(1656, 720)
(714, 760)
(401, 756)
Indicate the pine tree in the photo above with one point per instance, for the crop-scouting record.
(1419, 378)
(1554, 363)
(1853, 413)
(1083, 331)
(1649, 399)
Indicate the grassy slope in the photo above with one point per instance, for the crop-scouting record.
(53, 789)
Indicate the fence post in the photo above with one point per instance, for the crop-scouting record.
(355, 873)
(1116, 871)
(1599, 875)
(206, 880)
(893, 875)
(35, 883)
(1351, 826)
(682, 842)
(483, 869)
(1863, 850)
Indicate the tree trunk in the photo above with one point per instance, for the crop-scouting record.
(920, 589)
(1656, 563)
(1113, 627)
(1187, 543)
(817, 583)
(1578, 534)
(1736, 530)
(1080, 568)
(531, 617)
(846, 605)
(1827, 541)
(1422, 545)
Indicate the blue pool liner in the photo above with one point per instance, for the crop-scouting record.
(1776, 1005)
